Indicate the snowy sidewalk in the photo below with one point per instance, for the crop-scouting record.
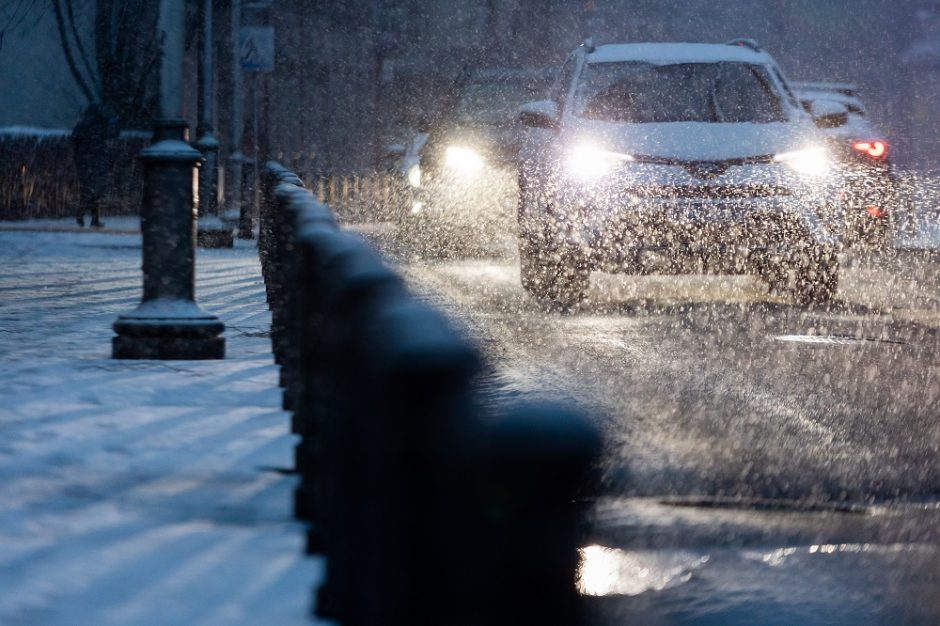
(113, 224)
(139, 492)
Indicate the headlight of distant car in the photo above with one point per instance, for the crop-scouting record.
(463, 161)
(587, 163)
(414, 175)
(812, 162)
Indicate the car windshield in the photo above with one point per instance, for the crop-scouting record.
(644, 93)
(496, 102)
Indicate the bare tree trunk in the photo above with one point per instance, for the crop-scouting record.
(70, 11)
(126, 51)
(67, 50)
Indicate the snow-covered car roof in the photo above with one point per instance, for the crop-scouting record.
(676, 53)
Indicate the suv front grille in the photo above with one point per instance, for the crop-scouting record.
(708, 192)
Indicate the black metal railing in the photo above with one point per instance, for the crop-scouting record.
(429, 509)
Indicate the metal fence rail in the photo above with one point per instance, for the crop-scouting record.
(427, 509)
(368, 196)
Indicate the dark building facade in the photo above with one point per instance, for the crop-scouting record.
(352, 76)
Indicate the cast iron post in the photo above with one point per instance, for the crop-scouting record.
(211, 232)
(168, 324)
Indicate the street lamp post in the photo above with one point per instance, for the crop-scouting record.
(168, 324)
(211, 232)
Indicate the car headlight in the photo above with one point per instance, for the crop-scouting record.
(587, 162)
(813, 162)
(414, 175)
(463, 161)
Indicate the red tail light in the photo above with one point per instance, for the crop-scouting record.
(874, 149)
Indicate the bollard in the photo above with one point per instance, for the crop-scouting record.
(308, 216)
(168, 324)
(416, 373)
(361, 286)
(514, 530)
(286, 193)
(325, 259)
(271, 250)
(272, 173)
(348, 277)
(290, 201)
(333, 265)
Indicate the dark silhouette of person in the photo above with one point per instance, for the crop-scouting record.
(94, 140)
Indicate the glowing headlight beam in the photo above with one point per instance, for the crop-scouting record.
(590, 163)
(414, 175)
(463, 161)
(810, 162)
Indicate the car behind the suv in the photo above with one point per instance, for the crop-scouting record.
(679, 158)
(861, 148)
(462, 176)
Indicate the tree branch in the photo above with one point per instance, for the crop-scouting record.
(67, 50)
(15, 18)
(81, 49)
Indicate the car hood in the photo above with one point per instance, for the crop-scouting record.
(696, 141)
(652, 563)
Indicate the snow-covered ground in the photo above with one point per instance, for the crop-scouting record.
(917, 215)
(113, 224)
(920, 230)
(139, 492)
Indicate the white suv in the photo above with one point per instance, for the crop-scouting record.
(677, 158)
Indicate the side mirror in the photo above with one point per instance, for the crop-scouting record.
(539, 114)
(829, 113)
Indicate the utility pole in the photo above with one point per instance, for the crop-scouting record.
(236, 159)
(168, 324)
(212, 232)
(256, 57)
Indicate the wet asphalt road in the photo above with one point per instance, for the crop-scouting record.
(708, 385)
(764, 462)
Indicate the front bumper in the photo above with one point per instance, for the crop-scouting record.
(615, 231)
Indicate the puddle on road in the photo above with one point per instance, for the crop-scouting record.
(604, 571)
